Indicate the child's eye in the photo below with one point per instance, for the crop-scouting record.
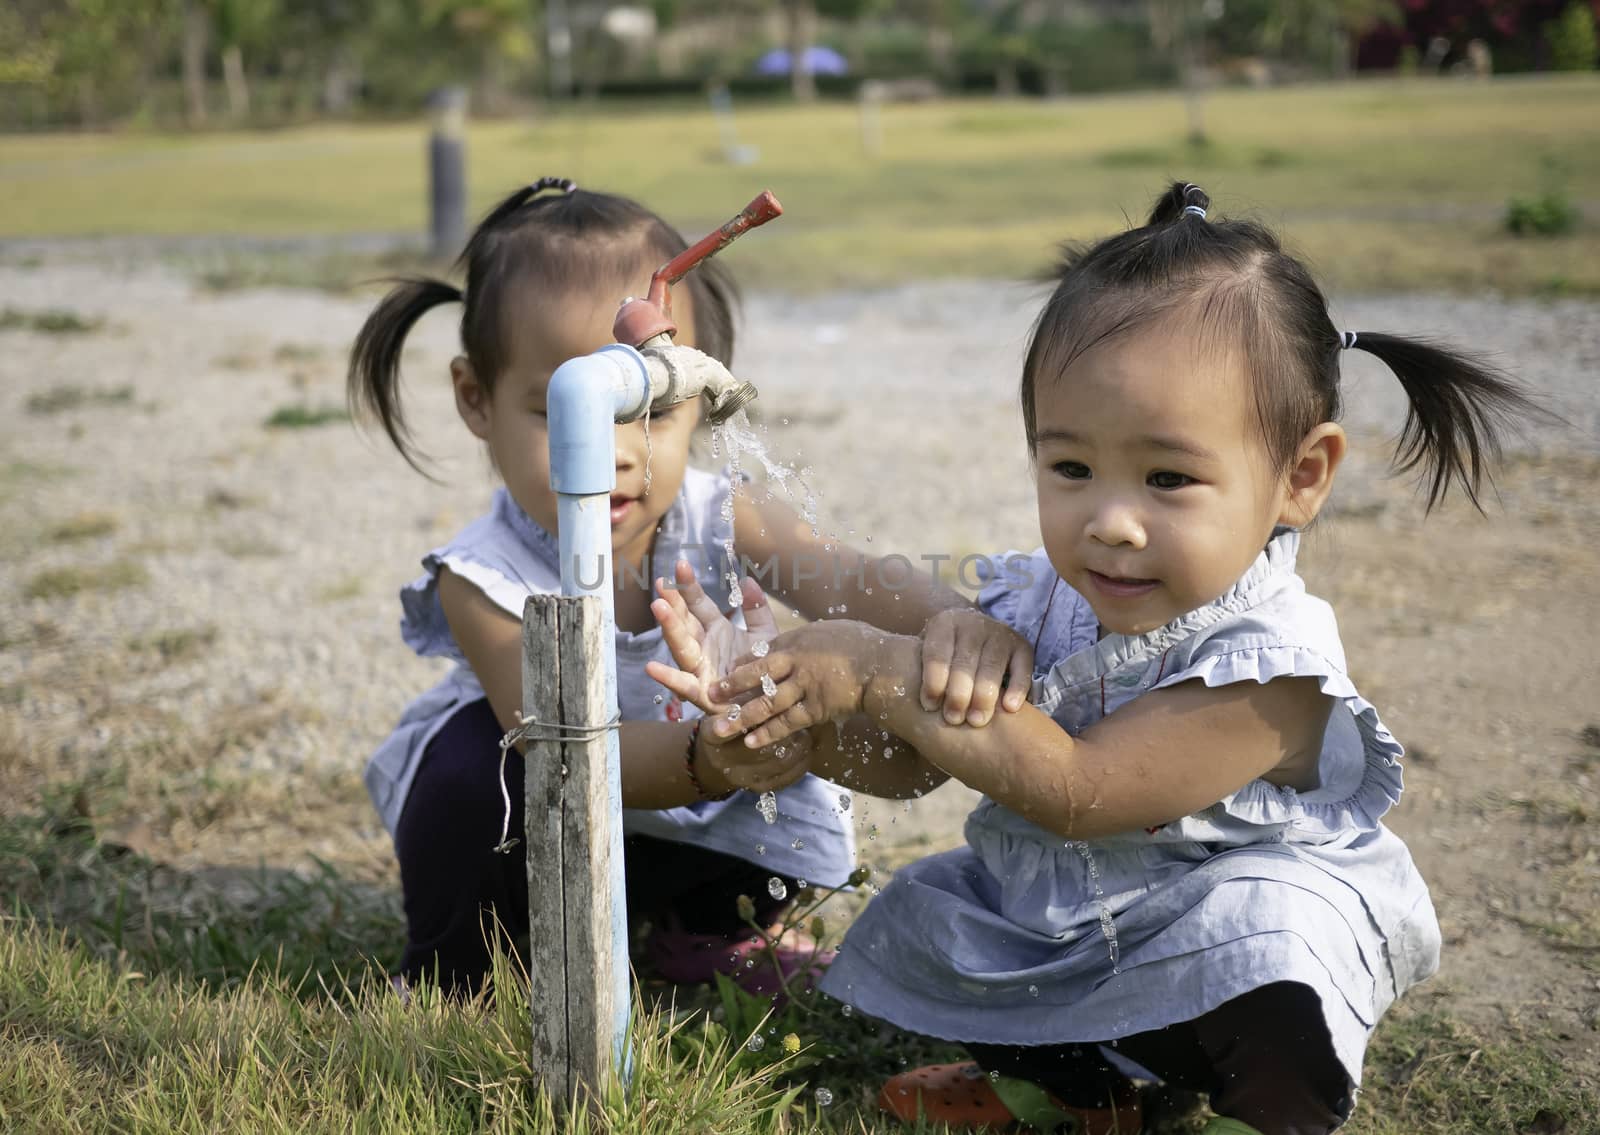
(1166, 479)
(1072, 470)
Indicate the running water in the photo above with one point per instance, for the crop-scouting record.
(1108, 926)
(732, 440)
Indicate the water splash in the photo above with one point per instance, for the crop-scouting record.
(767, 805)
(739, 436)
(1108, 925)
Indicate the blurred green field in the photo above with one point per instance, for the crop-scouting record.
(1384, 184)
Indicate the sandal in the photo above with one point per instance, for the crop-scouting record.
(685, 959)
(963, 1096)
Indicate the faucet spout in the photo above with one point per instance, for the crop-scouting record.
(678, 374)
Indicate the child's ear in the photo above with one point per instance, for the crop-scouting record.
(472, 397)
(1310, 477)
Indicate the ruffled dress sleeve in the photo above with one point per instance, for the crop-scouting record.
(1358, 770)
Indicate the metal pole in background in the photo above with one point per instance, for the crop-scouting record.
(447, 173)
(558, 47)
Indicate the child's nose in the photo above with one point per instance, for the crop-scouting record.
(1115, 522)
(631, 446)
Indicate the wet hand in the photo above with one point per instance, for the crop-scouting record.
(966, 656)
(766, 769)
(813, 674)
(705, 643)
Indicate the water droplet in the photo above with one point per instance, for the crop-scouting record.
(1108, 925)
(824, 1097)
(756, 1042)
(760, 649)
(847, 1009)
(761, 849)
(777, 888)
(734, 712)
(872, 832)
(658, 699)
(798, 845)
(844, 801)
(768, 686)
(1033, 991)
(767, 805)
(800, 884)
(888, 751)
(994, 1077)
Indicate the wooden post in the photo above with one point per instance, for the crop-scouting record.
(577, 950)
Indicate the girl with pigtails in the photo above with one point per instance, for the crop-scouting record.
(1179, 869)
(544, 274)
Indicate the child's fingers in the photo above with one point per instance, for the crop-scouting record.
(685, 686)
(958, 691)
(986, 683)
(786, 724)
(938, 644)
(673, 598)
(758, 617)
(1019, 680)
(700, 605)
(747, 677)
(676, 633)
(759, 710)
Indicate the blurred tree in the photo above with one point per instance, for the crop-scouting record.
(1573, 45)
(240, 24)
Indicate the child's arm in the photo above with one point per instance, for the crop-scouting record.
(655, 773)
(969, 656)
(1161, 757)
(821, 577)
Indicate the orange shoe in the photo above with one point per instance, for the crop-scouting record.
(964, 1096)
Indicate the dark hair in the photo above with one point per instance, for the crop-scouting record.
(570, 239)
(1234, 279)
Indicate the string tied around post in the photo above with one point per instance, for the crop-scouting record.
(530, 729)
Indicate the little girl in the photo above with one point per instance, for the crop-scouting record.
(1180, 868)
(545, 271)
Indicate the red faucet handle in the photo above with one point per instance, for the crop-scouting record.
(638, 321)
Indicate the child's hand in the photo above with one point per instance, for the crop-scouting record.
(704, 642)
(813, 674)
(965, 656)
(757, 770)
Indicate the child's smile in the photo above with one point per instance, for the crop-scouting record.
(1155, 491)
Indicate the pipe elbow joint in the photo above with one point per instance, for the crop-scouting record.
(586, 397)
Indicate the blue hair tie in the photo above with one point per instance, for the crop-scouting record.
(1194, 211)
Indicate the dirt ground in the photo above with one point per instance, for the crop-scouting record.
(208, 602)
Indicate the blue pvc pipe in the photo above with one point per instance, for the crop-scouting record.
(587, 397)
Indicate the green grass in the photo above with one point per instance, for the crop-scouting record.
(1383, 184)
(138, 997)
(299, 417)
(64, 582)
(70, 397)
(54, 321)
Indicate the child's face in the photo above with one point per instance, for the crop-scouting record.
(1155, 490)
(543, 332)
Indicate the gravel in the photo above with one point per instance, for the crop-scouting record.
(292, 543)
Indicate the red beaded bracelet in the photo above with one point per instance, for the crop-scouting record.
(688, 764)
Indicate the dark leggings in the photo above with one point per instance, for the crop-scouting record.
(1264, 1058)
(459, 892)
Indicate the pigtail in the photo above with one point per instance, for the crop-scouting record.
(1183, 200)
(1459, 408)
(373, 383)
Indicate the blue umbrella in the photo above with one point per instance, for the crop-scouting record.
(816, 60)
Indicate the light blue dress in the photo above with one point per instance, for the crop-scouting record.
(508, 556)
(1024, 938)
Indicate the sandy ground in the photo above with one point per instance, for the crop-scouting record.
(267, 561)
